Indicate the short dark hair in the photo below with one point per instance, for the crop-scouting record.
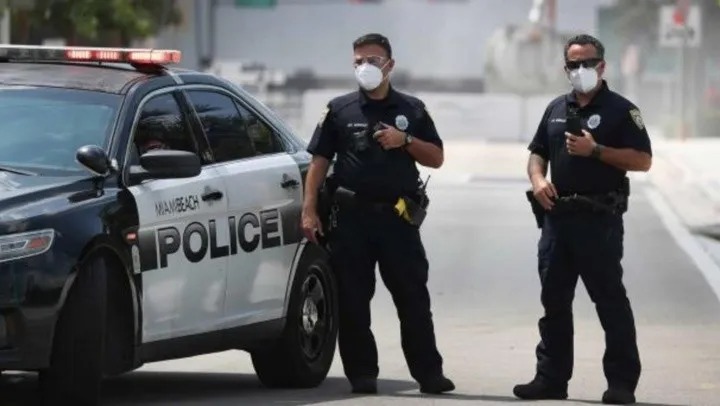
(374, 39)
(585, 39)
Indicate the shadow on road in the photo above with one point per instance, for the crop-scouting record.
(203, 388)
(195, 388)
(597, 402)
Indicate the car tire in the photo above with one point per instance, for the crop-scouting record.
(302, 357)
(76, 363)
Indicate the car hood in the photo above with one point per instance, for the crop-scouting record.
(12, 185)
(24, 196)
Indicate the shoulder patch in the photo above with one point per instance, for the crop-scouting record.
(322, 116)
(637, 118)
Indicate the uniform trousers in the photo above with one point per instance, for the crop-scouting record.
(589, 246)
(367, 236)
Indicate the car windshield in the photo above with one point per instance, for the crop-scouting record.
(42, 128)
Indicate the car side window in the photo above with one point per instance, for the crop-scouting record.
(162, 125)
(266, 141)
(226, 130)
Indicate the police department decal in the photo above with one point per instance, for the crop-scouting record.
(637, 118)
(593, 121)
(401, 122)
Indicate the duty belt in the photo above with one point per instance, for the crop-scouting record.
(613, 203)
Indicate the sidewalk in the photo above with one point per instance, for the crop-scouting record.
(687, 174)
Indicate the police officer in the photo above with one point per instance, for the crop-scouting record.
(582, 234)
(378, 134)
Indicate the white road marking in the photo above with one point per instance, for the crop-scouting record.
(692, 247)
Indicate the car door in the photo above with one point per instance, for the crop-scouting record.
(264, 194)
(182, 231)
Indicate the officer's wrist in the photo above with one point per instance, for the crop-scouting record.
(309, 206)
(407, 139)
(596, 151)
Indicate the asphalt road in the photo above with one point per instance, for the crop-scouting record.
(481, 241)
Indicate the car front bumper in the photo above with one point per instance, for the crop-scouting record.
(31, 293)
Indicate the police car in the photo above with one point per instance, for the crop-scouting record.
(150, 213)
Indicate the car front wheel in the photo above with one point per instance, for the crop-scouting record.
(302, 357)
(76, 362)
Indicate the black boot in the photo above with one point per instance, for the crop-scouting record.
(364, 385)
(618, 396)
(436, 385)
(538, 390)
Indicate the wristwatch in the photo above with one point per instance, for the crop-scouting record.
(408, 138)
(597, 149)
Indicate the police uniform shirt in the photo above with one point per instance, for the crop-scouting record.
(612, 120)
(375, 172)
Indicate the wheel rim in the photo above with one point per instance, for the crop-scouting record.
(314, 315)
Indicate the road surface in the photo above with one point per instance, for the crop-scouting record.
(481, 242)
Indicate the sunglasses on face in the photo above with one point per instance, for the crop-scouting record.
(586, 63)
(374, 60)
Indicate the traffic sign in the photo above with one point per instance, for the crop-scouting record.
(677, 26)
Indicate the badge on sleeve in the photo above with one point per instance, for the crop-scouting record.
(637, 118)
(401, 122)
(594, 121)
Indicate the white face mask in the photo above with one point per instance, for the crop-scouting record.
(583, 80)
(368, 76)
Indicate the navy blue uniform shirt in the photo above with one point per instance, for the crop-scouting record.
(375, 172)
(612, 120)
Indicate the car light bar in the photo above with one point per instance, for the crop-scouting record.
(38, 53)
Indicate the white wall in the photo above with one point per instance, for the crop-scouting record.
(486, 117)
(430, 40)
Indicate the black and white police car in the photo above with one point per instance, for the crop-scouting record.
(150, 213)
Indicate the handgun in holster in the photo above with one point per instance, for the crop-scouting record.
(326, 209)
(537, 209)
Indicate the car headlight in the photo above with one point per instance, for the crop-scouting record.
(22, 245)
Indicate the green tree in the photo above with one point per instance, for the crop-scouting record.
(95, 22)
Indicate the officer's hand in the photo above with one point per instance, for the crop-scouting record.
(311, 225)
(544, 192)
(390, 137)
(580, 145)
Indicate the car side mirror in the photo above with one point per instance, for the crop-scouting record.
(165, 164)
(94, 159)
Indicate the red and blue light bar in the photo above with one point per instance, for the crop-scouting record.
(41, 53)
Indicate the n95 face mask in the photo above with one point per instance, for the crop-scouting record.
(583, 79)
(368, 76)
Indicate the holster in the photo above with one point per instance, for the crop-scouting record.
(537, 210)
(411, 210)
(326, 208)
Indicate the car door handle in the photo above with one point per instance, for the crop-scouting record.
(211, 194)
(288, 182)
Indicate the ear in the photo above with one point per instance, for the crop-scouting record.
(601, 68)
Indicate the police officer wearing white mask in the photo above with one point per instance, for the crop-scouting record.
(378, 135)
(589, 138)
